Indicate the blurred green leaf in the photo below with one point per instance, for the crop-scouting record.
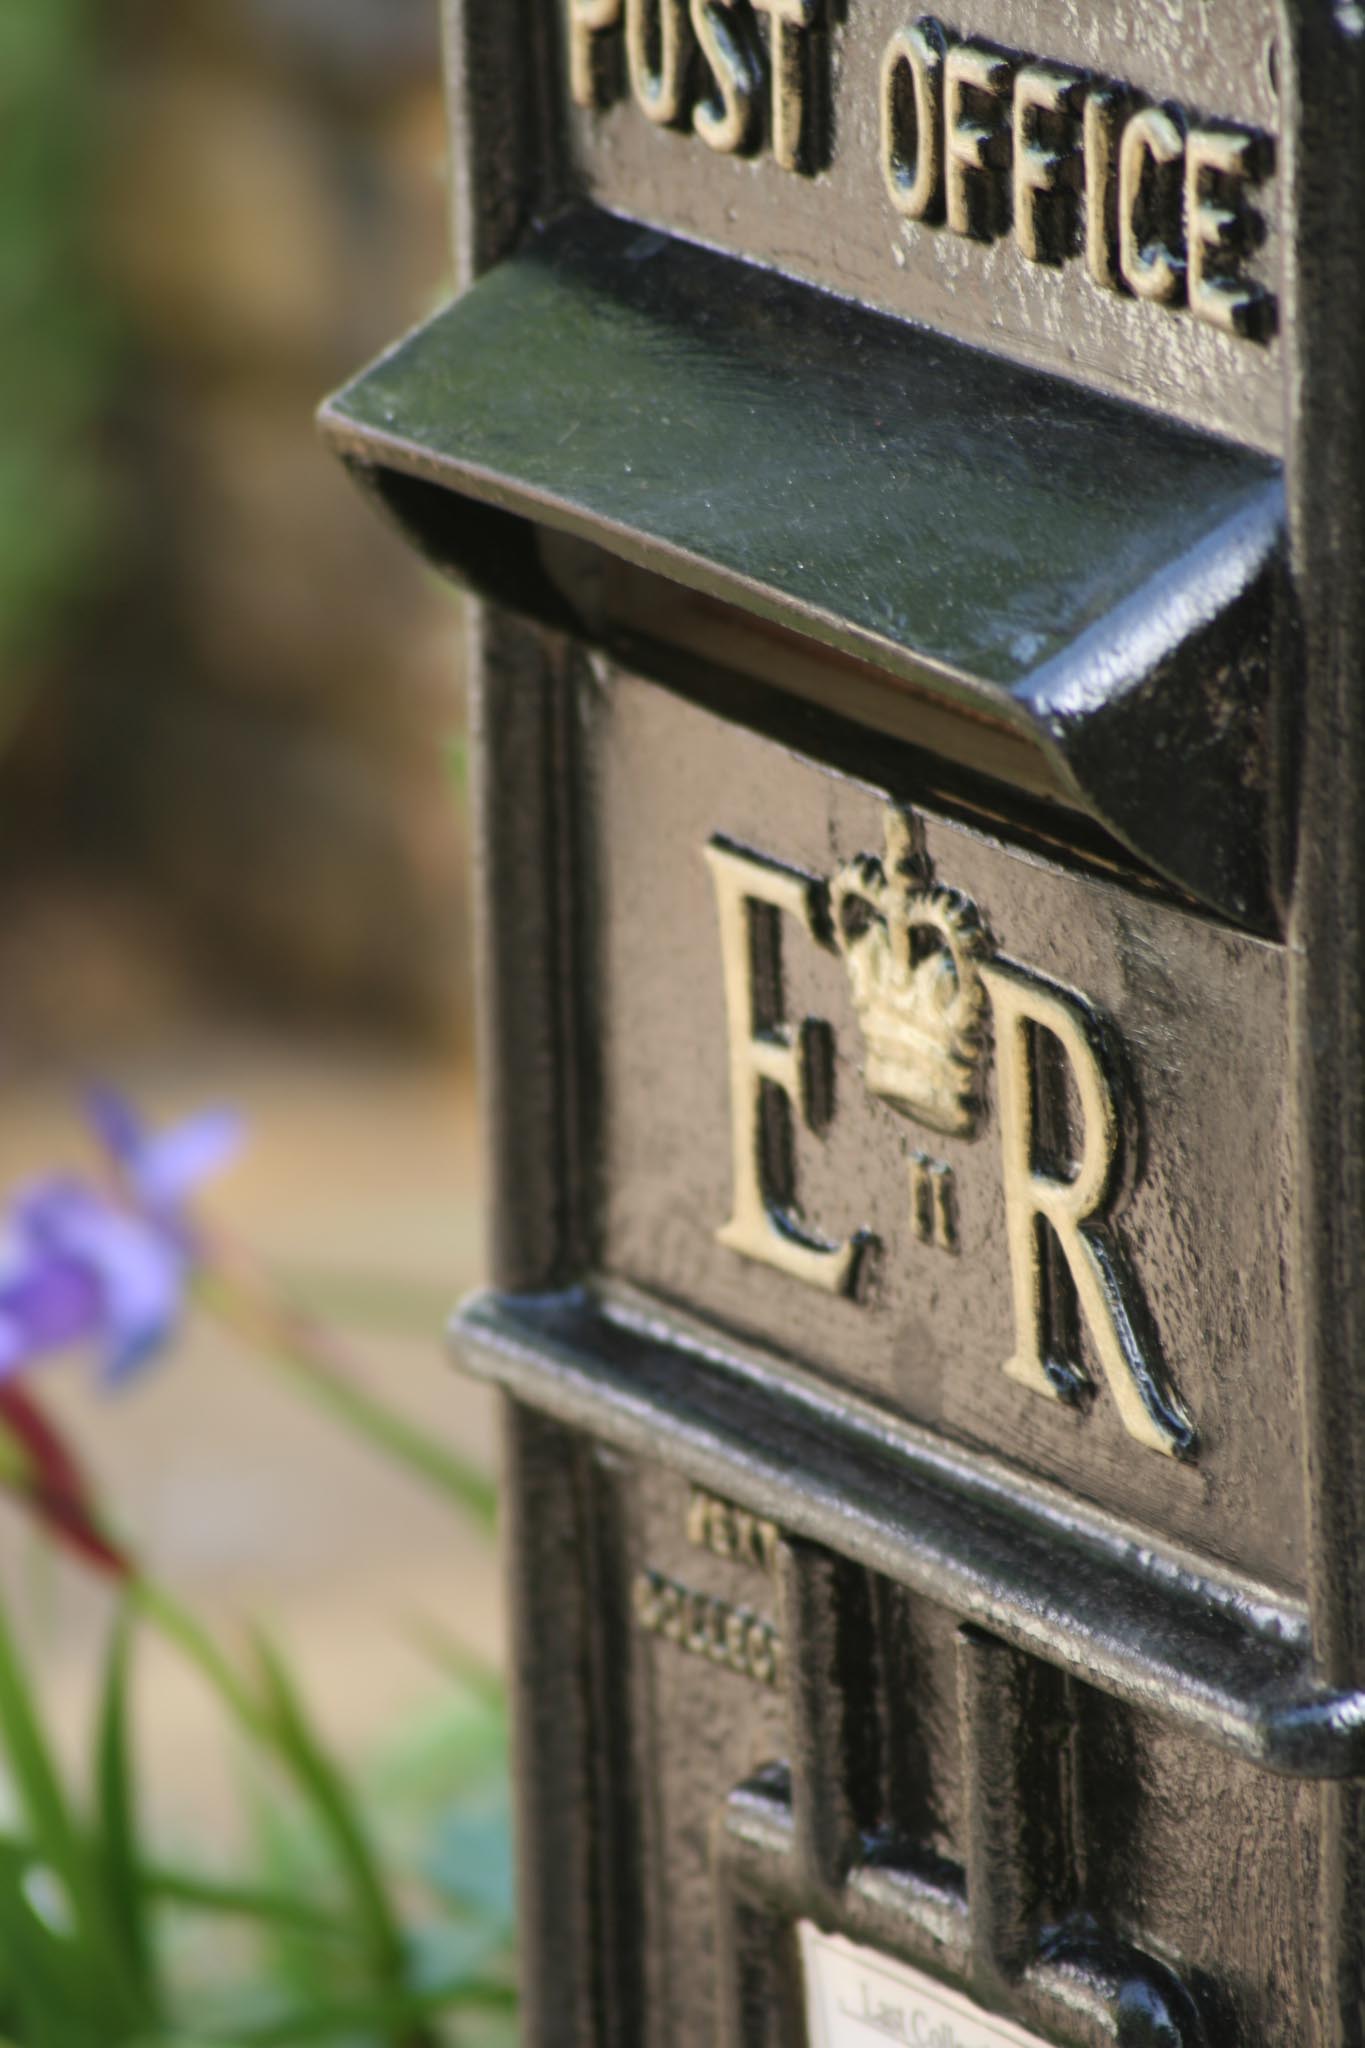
(339, 1818)
(487, 2029)
(46, 1991)
(180, 1627)
(453, 1750)
(193, 1891)
(472, 1673)
(389, 1304)
(289, 1857)
(470, 1859)
(116, 1802)
(60, 1844)
(392, 2017)
(56, 335)
(454, 1952)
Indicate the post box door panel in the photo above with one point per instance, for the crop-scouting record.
(798, 1747)
(887, 1235)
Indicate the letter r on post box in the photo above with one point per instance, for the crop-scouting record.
(1072, 1208)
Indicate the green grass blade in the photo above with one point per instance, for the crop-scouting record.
(47, 1990)
(195, 1893)
(179, 1626)
(32, 1767)
(395, 2017)
(116, 1809)
(385, 1304)
(57, 1838)
(459, 1662)
(327, 1794)
(290, 1854)
(243, 1301)
(461, 1482)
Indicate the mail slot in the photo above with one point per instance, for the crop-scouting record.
(909, 472)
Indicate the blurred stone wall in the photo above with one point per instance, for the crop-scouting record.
(258, 724)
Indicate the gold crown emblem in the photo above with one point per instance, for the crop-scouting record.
(912, 951)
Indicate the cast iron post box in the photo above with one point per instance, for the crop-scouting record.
(910, 469)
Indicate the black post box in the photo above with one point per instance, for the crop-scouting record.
(910, 469)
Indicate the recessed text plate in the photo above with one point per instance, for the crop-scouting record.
(856, 1998)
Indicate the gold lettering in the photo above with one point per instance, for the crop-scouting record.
(1072, 1209)
(969, 133)
(726, 122)
(731, 1532)
(704, 1626)
(762, 1653)
(976, 138)
(933, 1202)
(790, 20)
(671, 1599)
(647, 1590)
(698, 1639)
(587, 20)
(658, 51)
(736, 1642)
(1044, 170)
(1219, 163)
(1103, 113)
(768, 1071)
(1151, 148)
(912, 119)
(698, 1518)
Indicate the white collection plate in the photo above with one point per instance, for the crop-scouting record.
(856, 1998)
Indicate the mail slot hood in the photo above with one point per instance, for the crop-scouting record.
(622, 432)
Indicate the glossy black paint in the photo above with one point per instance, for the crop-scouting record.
(1068, 574)
(1070, 1751)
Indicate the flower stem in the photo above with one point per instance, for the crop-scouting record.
(243, 1301)
(160, 1607)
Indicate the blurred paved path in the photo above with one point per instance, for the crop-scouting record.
(360, 1179)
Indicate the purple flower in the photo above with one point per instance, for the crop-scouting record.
(82, 1266)
(158, 1171)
